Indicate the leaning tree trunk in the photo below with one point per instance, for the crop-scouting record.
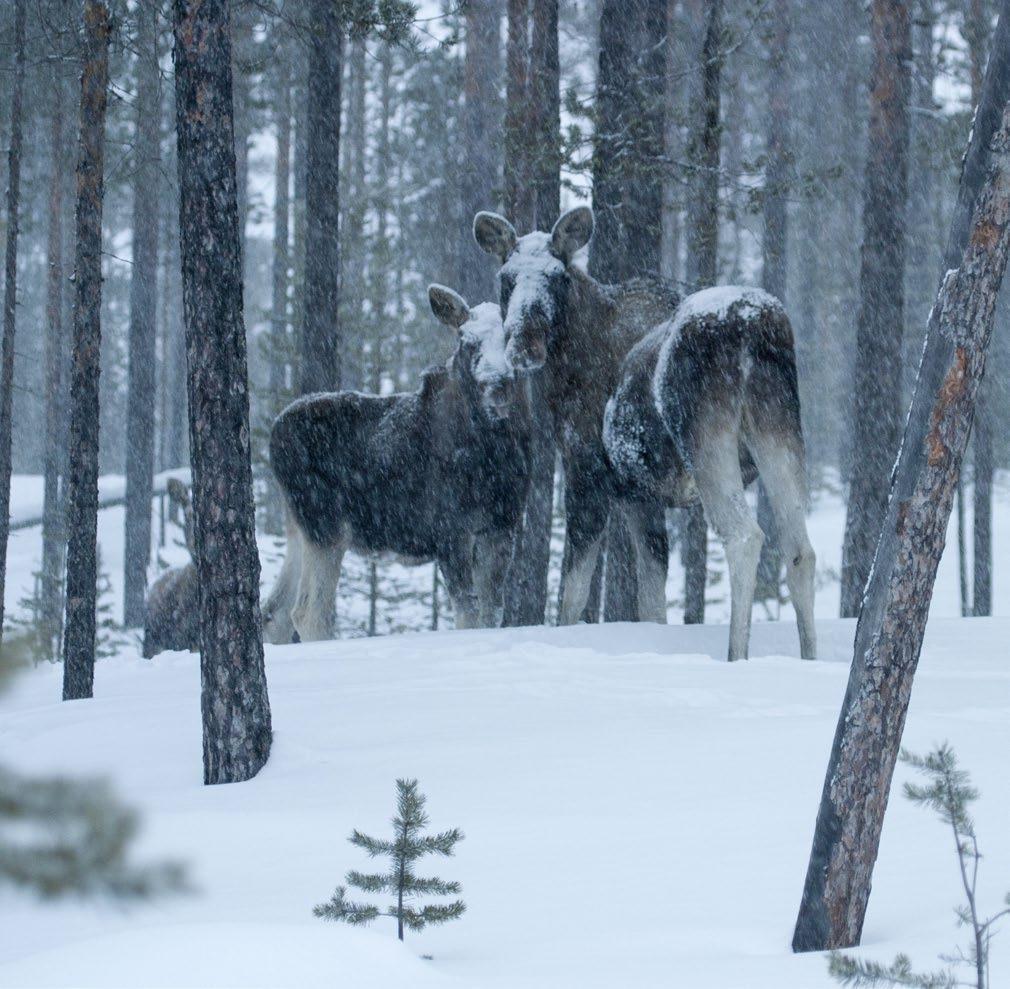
(702, 250)
(236, 709)
(533, 149)
(319, 350)
(54, 537)
(82, 513)
(141, 389)
(895, 607)
(774, 250)
(877, 391)
(10, 294)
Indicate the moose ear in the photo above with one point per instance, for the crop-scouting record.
(494, 234)
(449, 307)
(572, 231)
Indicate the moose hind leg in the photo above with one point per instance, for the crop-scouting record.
(315, 611)
(647, 526)
(782, 469)
(277, 624)
(456, 564)
(585, 524)
(491, 563)
(720, 484)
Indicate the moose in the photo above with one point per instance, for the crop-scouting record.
(172, 615)
(438, 474)
(656, 409)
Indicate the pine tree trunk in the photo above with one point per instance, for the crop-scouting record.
(896, 604)
(981, 598)
(10, 293)
(537, 154)
(702, 252)
(279, 346)
(482, 153)
(54, 536)
(82, 515)
(319, 352)
(235, 706)
(774, 249)
(877, 427)
(519, 198)
(143, 320)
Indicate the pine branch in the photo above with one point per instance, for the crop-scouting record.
(338, 908)
(371, 883)
(373, 846)
(431, 887)
(858, 972)
(443, 843)
(440, 913)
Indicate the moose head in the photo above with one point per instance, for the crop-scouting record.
(534, 279)
(486, 377)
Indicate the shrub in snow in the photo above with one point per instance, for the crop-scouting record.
(62, 837)
(407, 846)
(949, 792)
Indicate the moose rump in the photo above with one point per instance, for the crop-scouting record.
(438, 474)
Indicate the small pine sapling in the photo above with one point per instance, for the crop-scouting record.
(408, 845)
(949, 792)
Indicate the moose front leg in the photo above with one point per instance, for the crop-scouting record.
(492, 557)
(586, 511)
(456, 563)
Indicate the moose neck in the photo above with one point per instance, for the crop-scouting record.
(583, 356)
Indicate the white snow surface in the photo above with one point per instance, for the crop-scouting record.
(637, 813)
(485, 328)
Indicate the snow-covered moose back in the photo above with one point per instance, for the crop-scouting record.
(657, 404)
(438, 474)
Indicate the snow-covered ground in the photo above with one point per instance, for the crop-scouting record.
(638, 813)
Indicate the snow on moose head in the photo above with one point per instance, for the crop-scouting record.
(534, 279)
(486, 377)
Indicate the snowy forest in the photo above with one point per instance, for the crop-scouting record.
(481, 375)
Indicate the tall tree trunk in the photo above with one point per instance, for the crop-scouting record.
(82, 516)
(54, 536)
(353, 148)
(481, 151)
(895, 607)
(319, 357)
(877, 426)
(143, 320)
(279, 344)
(702, 253)
(536, 154)
(235, 706)
(976, 31)
(774, 248)
(10, 293)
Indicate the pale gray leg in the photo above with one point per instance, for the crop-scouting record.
(492, 556)
(647, 527)
(784, 475)
(315, 611)
(720, 484)
(456, 564)
(277, 624)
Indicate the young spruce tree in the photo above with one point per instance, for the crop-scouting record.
(408, 845)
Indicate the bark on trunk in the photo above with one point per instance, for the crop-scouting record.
(981, 598)
(774, 250)
(319, 356)
(82, 514)
(54, 536)
(537, 154)
(143, 320)
(10, 293)
(702, 253)
(518, 181)
(235, 706)
(877, 392)
(896, 604)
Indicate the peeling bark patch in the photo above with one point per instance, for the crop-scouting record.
(951, 391)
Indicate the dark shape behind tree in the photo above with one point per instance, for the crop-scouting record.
(10, 292)
(895, 607)
(236, 709)
(142, 390)
(82, 515)
(877, 391)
